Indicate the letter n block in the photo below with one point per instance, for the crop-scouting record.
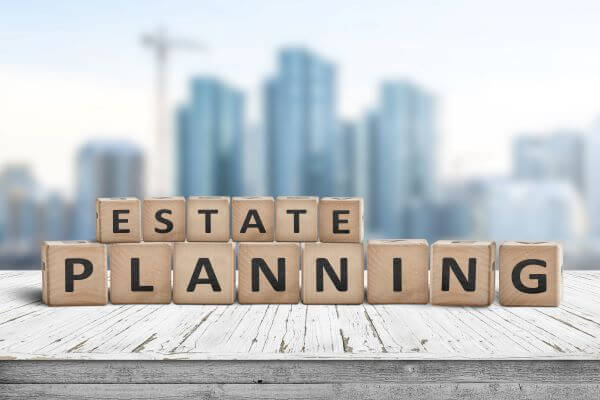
(204, 273)
(462, 273)
(296, 219)
(74, 273)
(118, 220)
(164, 219)
(253, 219)
(268, 273)
(341, 219)
(332, 273)
(398, 271)
(530, 274)
(140, 273)
(208, 219)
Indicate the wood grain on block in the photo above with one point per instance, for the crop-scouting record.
(164, 219)
(332, 273)
(208, 219)
(296, 218)
(341, 219)
(203, 273)
(462, 272)
(398, 271)
(253, 219)
(530, 273)
(74, 273)
(118, 220)
(268, 273)
(140, 273)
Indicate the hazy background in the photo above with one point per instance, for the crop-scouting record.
(462, 119)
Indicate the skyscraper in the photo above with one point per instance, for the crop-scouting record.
(18, 208)
(209, 140)
(300, 121)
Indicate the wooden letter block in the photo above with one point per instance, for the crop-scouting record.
(208, 219)
(203, 273)
(462, 273)
(296, 219)
(332, 273)
(140, 273)
(74, 273)
(530, 274)
(398, 271)
(118, 220)
(164, 219)
(341, 219)
(253, 219)
(268, 273)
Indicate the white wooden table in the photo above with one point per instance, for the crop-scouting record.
(283, 351)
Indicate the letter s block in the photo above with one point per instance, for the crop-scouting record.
(118, 220)
(164, 219)
(530, 274)
(74, 273)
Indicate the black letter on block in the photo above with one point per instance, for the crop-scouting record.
(397, 274)
(337, 221)
(117, 221)
(70, 276)
(541, 278)
(252, 213)
(341, 283)
(210, 272)
(467, 284)
(135, 278)
(168, 224)
(296, 218)
(207, 213)
(277, 283)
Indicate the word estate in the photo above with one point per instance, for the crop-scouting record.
(275, 237)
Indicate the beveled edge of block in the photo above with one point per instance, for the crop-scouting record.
(521, 243)
(334, 199)
(209, 198)
(87, 243)
(252, 198)
(398, 242)
(272, 243)
(305, 198)
(463, 243)
(187, 243)
(103, 199)
(144, 244)
(163, 198)
(321, 244)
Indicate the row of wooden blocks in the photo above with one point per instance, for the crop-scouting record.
(399, 271)
(219, 219)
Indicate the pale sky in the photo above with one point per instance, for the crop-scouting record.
(70, 71)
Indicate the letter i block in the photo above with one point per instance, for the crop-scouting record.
(74, 273)
(462, 273)
(164, 219)
(332, 273)
(296, 219)
(208, 219)
(341, 219)
(140, 273)
(204, 273)
(118, 220)
(530, 274)
(253, 219)
(268, 273)
(398, 271)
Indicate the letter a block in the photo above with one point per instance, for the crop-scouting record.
(203, 273)
(74, 273)
(341, 219)
(332, 273)
(462, 273)
(140, 273)
(164, 219)
(118, 220)
(208, 219)
(268, 273)
(398, 271)
(530, 274)
(253, 219)
(296, 219)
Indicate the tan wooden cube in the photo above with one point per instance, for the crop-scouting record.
(74, 273)
(332, 273)
(253, 219)
(164, 219)
(208, 219)
(140, 273)
(296, 219)
(530, 274)
(341, 219)
(118, 220)
(204, 273)
(398, 271)
(268, 273)
(462, 272)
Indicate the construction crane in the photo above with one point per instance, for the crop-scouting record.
(162, 45)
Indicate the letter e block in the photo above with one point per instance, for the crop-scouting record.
(253, 219)
(164, 219)
(462, 273)
(208, 219)
(118, 220)
(341, 219)
(296, 219)
(74, 273)
(530, 274)
(398, 271)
